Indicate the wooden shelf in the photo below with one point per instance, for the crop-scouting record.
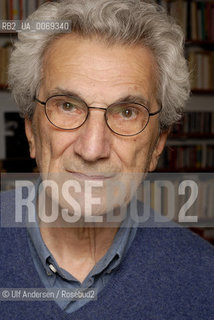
(185, 170)
(18, 165)
(187, 136)
(200, 43)
(202, 233)
(3, 87)
(8, 33)
(202, 91)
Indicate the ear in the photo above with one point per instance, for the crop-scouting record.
(30, 137)
(160, 144)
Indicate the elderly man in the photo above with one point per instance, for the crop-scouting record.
(98, 102)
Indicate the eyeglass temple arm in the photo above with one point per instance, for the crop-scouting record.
(42, 102)
(156, 112)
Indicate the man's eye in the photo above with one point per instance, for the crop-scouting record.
(67, 106)
(128, 113)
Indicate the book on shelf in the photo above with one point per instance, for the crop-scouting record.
(195, 17)
(162, 198)
(198, 156)
(4, 60)
(18, 9)
(187, 157)
(201, 65)
(195, 123)
(210, 155)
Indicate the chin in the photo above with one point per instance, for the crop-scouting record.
(70, 200)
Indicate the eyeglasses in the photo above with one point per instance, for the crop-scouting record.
(123, 118)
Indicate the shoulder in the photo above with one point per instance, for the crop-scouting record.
(172, 266)
(173, 238)
(172, 250)
(6, 197)
(177, 242)
(9, 230)
(17, 265)
(178, 263)
(172, 241)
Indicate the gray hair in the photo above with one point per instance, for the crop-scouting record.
(129, 22)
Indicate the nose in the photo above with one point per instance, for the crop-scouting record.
(93, 141)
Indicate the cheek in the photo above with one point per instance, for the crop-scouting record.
(143, 156)
(134, 153)
(52, 144)
(43, 149)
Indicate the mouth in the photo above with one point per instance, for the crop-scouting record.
(83, 176)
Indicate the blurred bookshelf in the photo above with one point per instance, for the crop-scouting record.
(14, 154)
(190, 146)
(18, 9)
(197, 21)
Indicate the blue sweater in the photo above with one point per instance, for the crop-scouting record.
(168, 273)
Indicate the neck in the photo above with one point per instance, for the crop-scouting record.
(78, 249)
(79, 245)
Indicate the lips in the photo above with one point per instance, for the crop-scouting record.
(84, 176)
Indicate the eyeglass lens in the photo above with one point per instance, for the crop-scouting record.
(70, 113)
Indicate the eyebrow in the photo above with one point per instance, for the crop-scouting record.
(129, 98)
(132, 98)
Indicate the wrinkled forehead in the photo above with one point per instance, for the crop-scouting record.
(93, 68)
